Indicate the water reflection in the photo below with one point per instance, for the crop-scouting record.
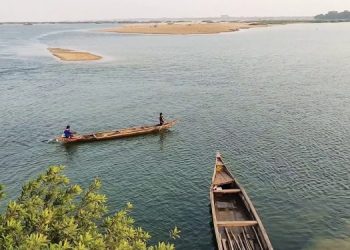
(164, 137)
(70, 149)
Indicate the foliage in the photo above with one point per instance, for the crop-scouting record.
(1, 192)
(175, 233)
(53, 214)
(334, 15)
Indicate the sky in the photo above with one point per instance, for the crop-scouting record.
(80, 10)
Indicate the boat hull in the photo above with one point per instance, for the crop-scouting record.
(236, 223)
(116, 134)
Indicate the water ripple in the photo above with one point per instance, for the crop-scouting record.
(280, 119)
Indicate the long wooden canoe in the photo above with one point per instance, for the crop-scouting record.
(236, 222)
(115, 134)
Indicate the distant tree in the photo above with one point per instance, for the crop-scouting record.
(334, 15)
(320, 16)
(344, 15)
(53, 214)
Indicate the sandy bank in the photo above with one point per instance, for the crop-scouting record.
(181, 28)
(72, 55)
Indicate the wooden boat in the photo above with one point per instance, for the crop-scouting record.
(236, 222)
(115, 134)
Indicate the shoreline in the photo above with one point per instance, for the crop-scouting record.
(73, 55)
(186, 28)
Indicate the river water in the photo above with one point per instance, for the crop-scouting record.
(274, 101)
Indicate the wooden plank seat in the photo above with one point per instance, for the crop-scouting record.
(227, 191)
(243, 223)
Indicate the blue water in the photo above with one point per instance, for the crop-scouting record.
(275, 101)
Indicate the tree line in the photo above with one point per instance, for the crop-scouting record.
(334, 15)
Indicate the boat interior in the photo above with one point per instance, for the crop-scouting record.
(127, 131)
(236, 224)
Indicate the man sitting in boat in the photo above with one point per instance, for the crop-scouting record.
(67, 133)
(161, 119)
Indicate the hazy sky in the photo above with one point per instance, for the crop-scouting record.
(60, 10)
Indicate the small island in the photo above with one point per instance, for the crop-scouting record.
(182, 28)
(72, 55)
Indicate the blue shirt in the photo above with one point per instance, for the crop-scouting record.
(67, 133)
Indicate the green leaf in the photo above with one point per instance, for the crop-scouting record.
(175, 233)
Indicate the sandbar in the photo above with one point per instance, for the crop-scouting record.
(185, 28)
(72, 55)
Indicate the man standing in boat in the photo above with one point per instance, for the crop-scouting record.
(67, 133)
(161, 119)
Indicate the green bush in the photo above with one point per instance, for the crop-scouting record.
(52, 214)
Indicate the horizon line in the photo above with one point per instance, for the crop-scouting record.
(227, 17)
